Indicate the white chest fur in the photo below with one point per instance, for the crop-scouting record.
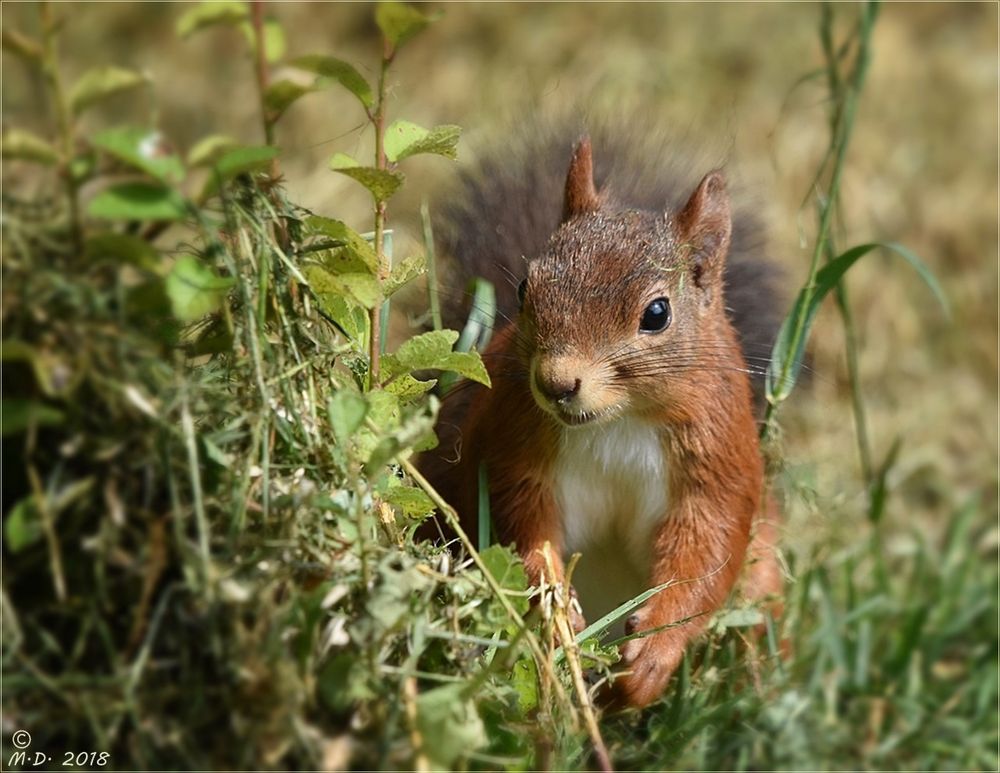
(611, 488)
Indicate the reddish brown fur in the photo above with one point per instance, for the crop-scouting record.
(601, 268)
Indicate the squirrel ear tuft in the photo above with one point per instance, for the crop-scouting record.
(706, 224)
(581, 195)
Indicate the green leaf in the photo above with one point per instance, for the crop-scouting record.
(421, 352)
(25, 146)
(238, 161)
(208, 149)
(413, 502)
(122, 248)
(22, 527)
(880, 485)
(407, 388)
(400, 135)
(449, 725)
(355, 251)
(142, 149)
(275, 43)
(524, 680)
(351, 318)
(405, 435)
(407, 270)
(138, 201)
(400, 22)
(432, 350)
(787, 354)
(340, 161)
(381, 183)
(281, 94)
(360, 288)
(209, 13)
(508, 570)
(340, 71)
(383, 409)
(347, 410)
(17, 415)
(100, 83)
(467, 364)
(478, 327)
(194, 289)
(404, 139)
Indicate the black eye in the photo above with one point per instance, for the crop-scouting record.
(656, 317)
(521, 289)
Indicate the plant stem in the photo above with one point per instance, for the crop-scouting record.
(836, 89)
(840, 140)
(451, 518)
(375, 315)
(854, 377)
(50, 66)
(261, 72)
(263, 78)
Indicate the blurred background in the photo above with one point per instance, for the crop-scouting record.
(921, 171)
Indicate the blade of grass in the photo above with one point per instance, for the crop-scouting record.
(432, 279)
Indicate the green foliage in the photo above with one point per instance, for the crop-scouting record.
(281, 95)
(404, 139)
(138, 201)
(236, 161)
(194, 290)
(400, 22)
(332, 69)
(210, 13)
(381, 183)
(434, 350)
(23, 145)
(141, 149)
(789, 349)
(99, 84)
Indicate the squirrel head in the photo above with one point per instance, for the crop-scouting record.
(623, 312)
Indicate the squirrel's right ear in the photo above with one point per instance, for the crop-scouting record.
(581, 195)
(705, 224)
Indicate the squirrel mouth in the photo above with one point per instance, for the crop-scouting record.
(575, 419)
(584, 417)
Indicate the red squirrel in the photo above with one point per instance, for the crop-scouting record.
(620, 424)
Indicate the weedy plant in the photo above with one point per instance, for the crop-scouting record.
(209, 531)
(210, 506)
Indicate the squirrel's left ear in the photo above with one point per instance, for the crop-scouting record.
(705, 224)
(581, 196)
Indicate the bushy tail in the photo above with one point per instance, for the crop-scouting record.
(508, 202)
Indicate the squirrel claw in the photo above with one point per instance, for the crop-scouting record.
(646, 664)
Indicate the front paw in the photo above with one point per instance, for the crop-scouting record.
(647, 663)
